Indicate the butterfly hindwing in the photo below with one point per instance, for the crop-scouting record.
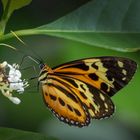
(64, 103)
(97, 104)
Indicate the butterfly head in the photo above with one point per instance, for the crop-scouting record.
(45, 69)
(41, 66)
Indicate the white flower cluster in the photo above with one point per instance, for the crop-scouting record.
(12, 81)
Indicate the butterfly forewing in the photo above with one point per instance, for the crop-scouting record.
(81, 89)
(108, 74)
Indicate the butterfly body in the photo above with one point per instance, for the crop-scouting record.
(80, 90)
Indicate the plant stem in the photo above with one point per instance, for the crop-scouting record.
(5, 18)
(26, 32)
(18, 33)
(2, 27)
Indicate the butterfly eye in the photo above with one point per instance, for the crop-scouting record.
(41, 66)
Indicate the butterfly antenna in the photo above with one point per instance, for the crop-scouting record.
(35, 60)
(20, 40)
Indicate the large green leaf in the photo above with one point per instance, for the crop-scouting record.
(14, 134)
(103, 23)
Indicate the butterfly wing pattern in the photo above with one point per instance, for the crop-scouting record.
(81, 90)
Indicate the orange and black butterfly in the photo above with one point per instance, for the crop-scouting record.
(81, 90)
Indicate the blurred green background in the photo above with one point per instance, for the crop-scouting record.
(32, 114)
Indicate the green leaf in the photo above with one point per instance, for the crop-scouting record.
(9, 6)
(14, 4)
(103, 23)
(14, 134)
(107, 24)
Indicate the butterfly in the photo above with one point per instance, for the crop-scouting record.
(81, 90)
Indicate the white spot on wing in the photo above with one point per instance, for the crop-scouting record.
(124, 71)
(120, 64)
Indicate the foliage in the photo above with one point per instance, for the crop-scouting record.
(13, 134)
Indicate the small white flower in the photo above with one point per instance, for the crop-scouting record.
(15, 100)
(14, 77)
(11, 82)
